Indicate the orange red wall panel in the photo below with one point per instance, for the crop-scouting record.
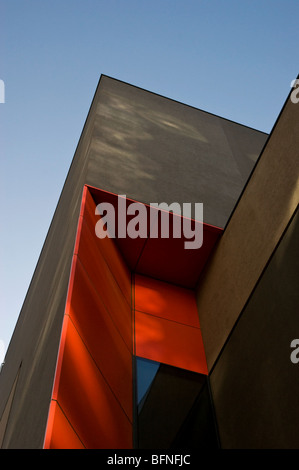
(165, 300)
(60, 433)
(167, 328)
(87, 400)
(113, 312)
(92, 400)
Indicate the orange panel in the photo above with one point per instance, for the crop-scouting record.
(108, 248)
(101, 337)
(105, 284)
(167, 259)
(116, 264)
(165, 300)
(131, 248)
(169, 342)
(60, 434)
(170, 260)
(86, 399)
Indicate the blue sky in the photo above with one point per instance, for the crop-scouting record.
(229, 57)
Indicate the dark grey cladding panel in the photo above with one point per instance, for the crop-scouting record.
(255, 385)
(154, 149)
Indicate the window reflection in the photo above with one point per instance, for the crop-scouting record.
(146, 371)
(174, 408)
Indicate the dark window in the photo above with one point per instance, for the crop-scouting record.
(174, 408)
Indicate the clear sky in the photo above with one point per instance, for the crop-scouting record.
(234, 58)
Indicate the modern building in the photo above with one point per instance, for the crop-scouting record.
(141, 341)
